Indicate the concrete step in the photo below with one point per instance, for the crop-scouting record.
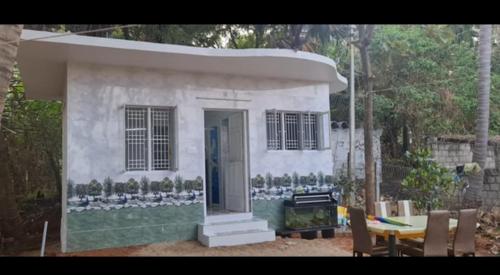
(228, 217)
(232, 226)
(237, 237)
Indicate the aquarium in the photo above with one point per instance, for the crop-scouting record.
(310, 211)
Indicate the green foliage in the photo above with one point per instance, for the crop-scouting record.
(132, 186)
(166, 185)
(287, 180)
(179, 184)
(81, 190)
(108, 187)
(155, 187)
(258, 181)
(269, 180)
(71, 189)
(304, 180)
(94, 188)
(198, 183)
(295, 179)
(189, 185)
(312, 179)
(277, 181)
(329, 179)
(144, 186)
(120, 188)
(428, 183)
(321, 178)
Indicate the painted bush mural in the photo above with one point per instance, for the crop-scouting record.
(110, 195)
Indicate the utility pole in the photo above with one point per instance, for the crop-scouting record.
(352, 122)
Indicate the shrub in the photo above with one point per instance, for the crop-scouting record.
(81, 190)
(179, 186)
(258, 181)
(269, 180)
(166, 185)
(108, 187)
(311, 180)
(295, 179)
(277, 181)
(286, 180)
(321, 178)
(155, 187)
(328, 179)
(120, 188)
(71, 189)
(94, 188)
(132, 186)
(198, 183)
(144, 186)
(428, 183)
(188, 185)
(304, 180)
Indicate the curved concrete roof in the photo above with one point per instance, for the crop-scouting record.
(42, 60)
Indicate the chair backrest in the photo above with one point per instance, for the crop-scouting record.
(465, 235)
(362, 241)
(405, 208)
(436, 233)
(382, 209)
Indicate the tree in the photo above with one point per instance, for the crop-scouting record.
(179, 184)
(144, 186)
(365, 37)
(108, 187)
(82, 190)
(9, 215)
(132, 186)
(473, 195)
(94, 188)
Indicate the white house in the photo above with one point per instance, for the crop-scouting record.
(184, 136)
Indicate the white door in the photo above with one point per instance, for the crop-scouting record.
(235, 165)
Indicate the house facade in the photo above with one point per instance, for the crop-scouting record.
(164, 142)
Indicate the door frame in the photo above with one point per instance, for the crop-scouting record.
(246, 177)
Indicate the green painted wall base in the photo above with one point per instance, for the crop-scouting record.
(271, 210)
(89, 230)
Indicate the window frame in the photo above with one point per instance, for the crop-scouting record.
(300, 129)
(171, 143)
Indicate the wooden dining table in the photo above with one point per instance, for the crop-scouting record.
(415, 229)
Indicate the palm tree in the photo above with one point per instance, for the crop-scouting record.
(473, 195)
(9, 41)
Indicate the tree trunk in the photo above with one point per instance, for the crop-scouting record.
(365, 34)
(473, 194)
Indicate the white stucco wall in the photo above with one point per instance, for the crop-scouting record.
(340, 152)
(95, 131)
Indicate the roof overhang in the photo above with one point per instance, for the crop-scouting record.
(42, 59)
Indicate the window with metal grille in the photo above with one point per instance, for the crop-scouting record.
(310, 126)
(273, 126)
(136, 138)
(148, 139)
(292, 131)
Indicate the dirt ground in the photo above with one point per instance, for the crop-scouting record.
(338, 246)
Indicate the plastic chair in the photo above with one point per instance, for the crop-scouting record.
(382, 209)
(405, 208)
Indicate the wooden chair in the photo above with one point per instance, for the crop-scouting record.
(362, 241)
(465, 235)
(435, 242)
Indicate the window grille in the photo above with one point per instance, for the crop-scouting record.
(273, 126)
(136, 138)
(160, 138)
(291, 131)
(148, 138)
(310, 131)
